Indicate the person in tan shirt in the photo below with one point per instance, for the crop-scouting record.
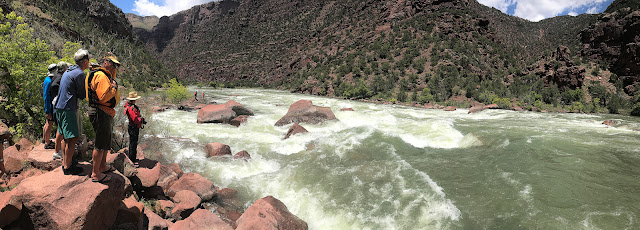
(103, 96)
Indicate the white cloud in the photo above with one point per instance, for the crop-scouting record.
(536, 10)
(164, 7)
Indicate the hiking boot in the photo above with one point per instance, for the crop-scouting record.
(57, 155)
(73, 170)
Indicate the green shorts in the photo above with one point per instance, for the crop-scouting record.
(67, 123)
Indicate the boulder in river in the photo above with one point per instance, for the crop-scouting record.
(295, 129)
(267, 213)
(305, 111)
(222, 113)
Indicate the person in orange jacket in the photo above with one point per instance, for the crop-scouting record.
(135, 123)
(103, 96)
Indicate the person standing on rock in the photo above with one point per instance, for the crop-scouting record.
(135, 123)
(71, 89)
(195, 96)
(48, 108)
(103, 96)
(53, 93)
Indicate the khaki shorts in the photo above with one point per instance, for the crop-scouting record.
(101, 122)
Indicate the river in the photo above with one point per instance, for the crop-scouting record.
(397, 167)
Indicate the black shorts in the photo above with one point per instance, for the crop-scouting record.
(101, 122)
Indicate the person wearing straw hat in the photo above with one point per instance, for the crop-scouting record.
(135, 123)
(103, 96)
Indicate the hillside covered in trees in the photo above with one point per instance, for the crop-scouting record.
(447, 52)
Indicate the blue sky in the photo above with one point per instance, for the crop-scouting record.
(533, 10)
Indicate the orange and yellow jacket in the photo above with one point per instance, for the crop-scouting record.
(99, 91)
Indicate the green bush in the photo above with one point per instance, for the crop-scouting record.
(176, 92)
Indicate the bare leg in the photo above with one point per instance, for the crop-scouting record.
(46, 131)
(99, 159)
(68, 152)
(59, 142)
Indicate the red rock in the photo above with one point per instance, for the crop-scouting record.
(186, 202)
(346, 109)
(176, 168)
(217, 149)
(269, 213)
(196, 183)
(200, 106)
(295, 129)
(227, 193)
(121, 162)
(129, 214)
(13, 159)
(70, 202)
(239, 120)
(222, 113)
(157, 109)
(491, 106)
(609, 122)
(164, 207)
(517, 108)
(9, 208)
(24, 175)
(149, 176)
(41, 158)
(450, 108)
(476, 109)
(242, 155)
(155, 221)
(24, 145)
(166, 177)
(202, 219)
(305, 111)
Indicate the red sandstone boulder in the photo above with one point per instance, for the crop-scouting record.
(609, 122)
(121, 162)
(155, 221)
(491, 106)
(40, 158)
(269, 213)
(476, 109)
(222, 113)
(24, 145)
(295, 129)
(149, 176)
(196, 183)
(13, 159)
(346, 109)
(129, 214)
(9, 208)
(15, 180)
(305, 111)
(176, 168)
(450, 108)
(239, 120)
(157, 109)
(217, 149)
(164, 207)
(166, 177)
(70, 202)
(242, 155)
(186, 202)
(202, 219)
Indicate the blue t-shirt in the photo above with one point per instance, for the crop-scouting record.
(48, 107)
(71, 89)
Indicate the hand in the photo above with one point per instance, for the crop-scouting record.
(114, 84)
(49, 117)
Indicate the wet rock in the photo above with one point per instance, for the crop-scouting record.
(202, 219)
(476, 109)
(217, 149)
(176, 168)
(269, 213)
(491, 106)
(157, 109)
(222, 113)
(242, 155)
(609, 122)
(346, 109)
(304, 111)
(450, 108)
(239, 120)
(295, 129)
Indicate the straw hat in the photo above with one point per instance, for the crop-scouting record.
(112, 58)
(133, 96)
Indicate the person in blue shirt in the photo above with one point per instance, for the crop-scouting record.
(48, 108)
(71, 90)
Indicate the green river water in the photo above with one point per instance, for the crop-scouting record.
(396, 167)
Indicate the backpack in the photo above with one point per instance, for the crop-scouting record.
(55, 85)
(92, 96)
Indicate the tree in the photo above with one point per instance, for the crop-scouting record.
(23, 65)
(176, 92)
